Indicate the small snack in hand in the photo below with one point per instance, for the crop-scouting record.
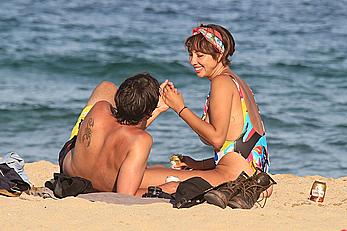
(176, 160)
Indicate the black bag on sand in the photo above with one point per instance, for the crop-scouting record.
(11, 184)
(64, 186)
(191, 192)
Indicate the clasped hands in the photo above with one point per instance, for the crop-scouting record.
(170, 97)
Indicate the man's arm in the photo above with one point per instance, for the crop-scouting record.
(161, 107)
(133, 167)
(155, 114)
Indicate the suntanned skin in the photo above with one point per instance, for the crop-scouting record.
(224, 121)
(221, 124)
(107, 151)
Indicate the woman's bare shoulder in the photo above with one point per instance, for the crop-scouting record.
(224, 81)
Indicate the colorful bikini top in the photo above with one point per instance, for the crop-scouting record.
(246, 119)
(250, 144)
(248, 130)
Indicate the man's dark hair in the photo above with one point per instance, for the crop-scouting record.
(136, 98)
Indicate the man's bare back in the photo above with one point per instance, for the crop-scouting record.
(111, 147)
(106, 151)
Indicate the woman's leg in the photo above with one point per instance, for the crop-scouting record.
(157, 176)
(229, 168)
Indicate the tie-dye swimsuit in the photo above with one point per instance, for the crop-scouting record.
(251, 145)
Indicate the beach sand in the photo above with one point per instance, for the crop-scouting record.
(287, 209)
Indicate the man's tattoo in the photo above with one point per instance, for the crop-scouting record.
(87, 136)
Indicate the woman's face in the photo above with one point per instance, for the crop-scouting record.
(204, 64)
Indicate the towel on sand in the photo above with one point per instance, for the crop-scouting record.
(117, 198)
(107, 197)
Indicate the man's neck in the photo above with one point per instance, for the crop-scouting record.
(141, 124)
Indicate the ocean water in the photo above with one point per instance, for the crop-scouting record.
(292, 54)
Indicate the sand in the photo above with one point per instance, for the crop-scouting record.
(287, 209)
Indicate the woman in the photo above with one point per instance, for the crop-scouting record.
(231, 123)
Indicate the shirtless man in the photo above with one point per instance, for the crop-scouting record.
(109, 145)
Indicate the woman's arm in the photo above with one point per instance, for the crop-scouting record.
(204, 141)
(214, 132)
(205, 164)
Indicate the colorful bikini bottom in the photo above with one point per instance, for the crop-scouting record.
(254, 150)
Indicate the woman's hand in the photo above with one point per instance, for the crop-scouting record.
(173, 98)
(185, 163)
(188, 163)
(162, 106)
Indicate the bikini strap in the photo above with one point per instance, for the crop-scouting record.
(238, 88)
(203, 117)
(245, 91)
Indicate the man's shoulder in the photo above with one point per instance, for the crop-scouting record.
(133, 134)
(139, 135)
(136, 141)
(141, 144)
(101, 108)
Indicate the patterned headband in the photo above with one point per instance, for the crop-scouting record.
(212, 36)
